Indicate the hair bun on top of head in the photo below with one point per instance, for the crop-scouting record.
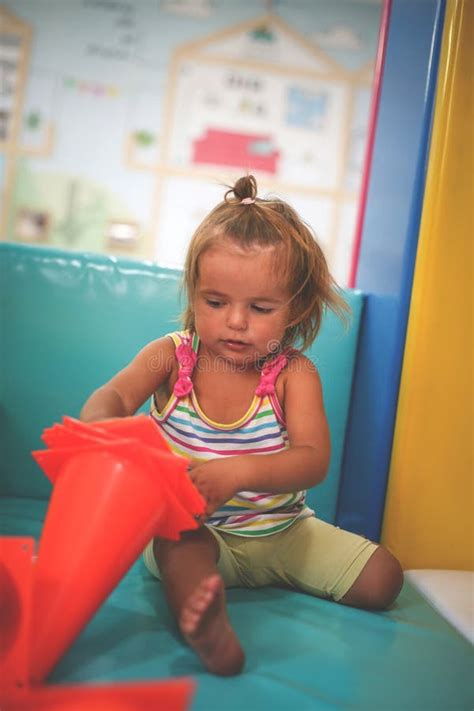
(244, 191)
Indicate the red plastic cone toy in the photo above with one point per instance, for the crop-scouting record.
(172, 695)
(16, 581)
(109, 500)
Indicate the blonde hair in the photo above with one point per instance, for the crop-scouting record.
(262, 223)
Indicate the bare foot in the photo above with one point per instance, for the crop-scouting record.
(207, 629)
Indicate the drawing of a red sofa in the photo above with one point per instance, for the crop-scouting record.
(240, 150)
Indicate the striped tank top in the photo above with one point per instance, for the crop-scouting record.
(261, 430)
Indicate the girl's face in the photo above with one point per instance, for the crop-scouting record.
(240, 304)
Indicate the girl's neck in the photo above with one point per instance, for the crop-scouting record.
(225, 395)
(210, 362)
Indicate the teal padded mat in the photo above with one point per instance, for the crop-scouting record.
(302, 653)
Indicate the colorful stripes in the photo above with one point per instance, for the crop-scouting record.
(261, 430)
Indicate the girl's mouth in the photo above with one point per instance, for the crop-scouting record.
(237, 345)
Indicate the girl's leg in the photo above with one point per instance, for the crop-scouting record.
(379, 583)
(326, 561)
(196, 596)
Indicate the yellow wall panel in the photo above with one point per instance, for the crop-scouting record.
(429, 506)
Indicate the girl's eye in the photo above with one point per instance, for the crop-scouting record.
(261, 309)
(213, 303)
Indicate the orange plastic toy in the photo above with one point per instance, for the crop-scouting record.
(172, 695)
(16, 582)
(116, 486)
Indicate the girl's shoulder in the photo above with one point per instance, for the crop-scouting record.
(180, 337)
(160, 352)
(297, 366)
(174, 345)
(163, 356)
(169, 347)
(156, 362)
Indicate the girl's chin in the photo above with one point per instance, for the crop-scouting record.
(240, 356)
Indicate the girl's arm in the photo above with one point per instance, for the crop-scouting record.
(123, 394)
(301, 466)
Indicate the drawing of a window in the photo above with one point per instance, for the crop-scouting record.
(9, 59)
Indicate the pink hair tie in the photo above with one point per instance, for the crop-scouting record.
(247, 201)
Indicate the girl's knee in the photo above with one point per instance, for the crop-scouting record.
(379, 583)
(192, 545)
(389, 579)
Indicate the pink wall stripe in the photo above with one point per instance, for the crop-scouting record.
(374, 109)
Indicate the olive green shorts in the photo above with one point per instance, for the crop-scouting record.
(311, 555)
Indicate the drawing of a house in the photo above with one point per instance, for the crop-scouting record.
(260, 97)
(257, 97)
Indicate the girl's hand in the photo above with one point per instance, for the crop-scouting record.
(216, 481)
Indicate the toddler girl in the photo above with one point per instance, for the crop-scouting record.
(233, 394)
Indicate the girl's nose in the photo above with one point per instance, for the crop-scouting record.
(237, 318)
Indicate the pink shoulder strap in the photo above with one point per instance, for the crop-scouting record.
(187, 358)
(270, 373)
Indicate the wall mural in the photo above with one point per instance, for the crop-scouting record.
(118, 138)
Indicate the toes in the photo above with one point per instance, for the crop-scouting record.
(189, 622)
(198, 603)
(201, 603)
(205, 593)
(213, 583)
(201, 599)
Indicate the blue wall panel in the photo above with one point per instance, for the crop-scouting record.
(387, 256)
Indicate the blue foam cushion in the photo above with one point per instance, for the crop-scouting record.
(70, 321)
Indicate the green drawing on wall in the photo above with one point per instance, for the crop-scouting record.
(144, 138)
(262, 33)
(33, 120)
(79, 211)
(84, 209)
